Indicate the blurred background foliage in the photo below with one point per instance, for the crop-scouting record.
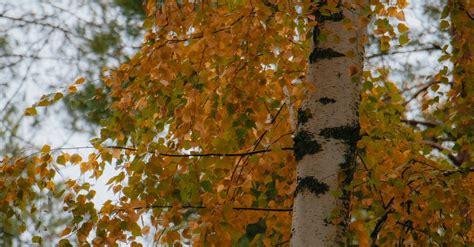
(44, 46)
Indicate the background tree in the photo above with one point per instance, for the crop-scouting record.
(46, 43)
(42, 45)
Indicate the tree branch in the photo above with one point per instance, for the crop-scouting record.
(234, 208)
(378, 226)
(202, 154)
(437, 146)
(421, 90)
(419, 122)
(431, 48)
(167, 154)
(203, 207)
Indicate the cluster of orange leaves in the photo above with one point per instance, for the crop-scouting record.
(211, 77)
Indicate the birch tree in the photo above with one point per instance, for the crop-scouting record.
(328, 124)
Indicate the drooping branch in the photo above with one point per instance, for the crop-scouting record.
(454, 159)
(378, 227)
(434, 47)
(43, 24)
(255, 145)
(213, 32)
(202, 154)
(421, 90)
(419, 122)
(169, 154)
(203, 207)
(234, 208)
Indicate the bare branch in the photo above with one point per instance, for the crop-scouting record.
(419, 122)
(169, 154)
(431, 48)
(437, 146)
(421, 90)
(203, 207)
(234, 208)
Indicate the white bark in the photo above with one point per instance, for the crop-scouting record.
(327, 131)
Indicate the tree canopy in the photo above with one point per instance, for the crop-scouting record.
(200, 127)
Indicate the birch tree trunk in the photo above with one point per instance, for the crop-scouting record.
(328, 127)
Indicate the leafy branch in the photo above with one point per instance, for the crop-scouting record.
(254, 152)
(203, 207)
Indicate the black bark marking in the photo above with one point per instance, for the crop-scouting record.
(323, 14)
(349, 134)
(312, 185)
(323, 53)
(304, 115)
(326, 100)
(316, 33)
(336, 17)
(304, 144)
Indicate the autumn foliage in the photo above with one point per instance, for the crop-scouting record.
(200, 133)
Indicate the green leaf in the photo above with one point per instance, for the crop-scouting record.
(403, 39)
(435, 205)
(37, 239)
(444, 25)
(64, 243)
(61, 160)
(206, 185)
(134, 228)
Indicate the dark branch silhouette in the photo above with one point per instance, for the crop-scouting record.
(168, 154)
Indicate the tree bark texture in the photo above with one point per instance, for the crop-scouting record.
(328, 128)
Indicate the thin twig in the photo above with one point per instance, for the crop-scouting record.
(432, 48)
(437, 146)
(419, 122)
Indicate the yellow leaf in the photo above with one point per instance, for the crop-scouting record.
(30, 111)
(46, 149)
(402, 3)
(79, 81)
(71, 89)
(44, 102)
(123, 67)
(392, 11)
(116, 153)
(75, 158)
(402, 28)
(84, 167)
(400, 16)
(61, 159)
(22, 228)
(65, 232)
(57, 96)
(50, 185)
(117, 188)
